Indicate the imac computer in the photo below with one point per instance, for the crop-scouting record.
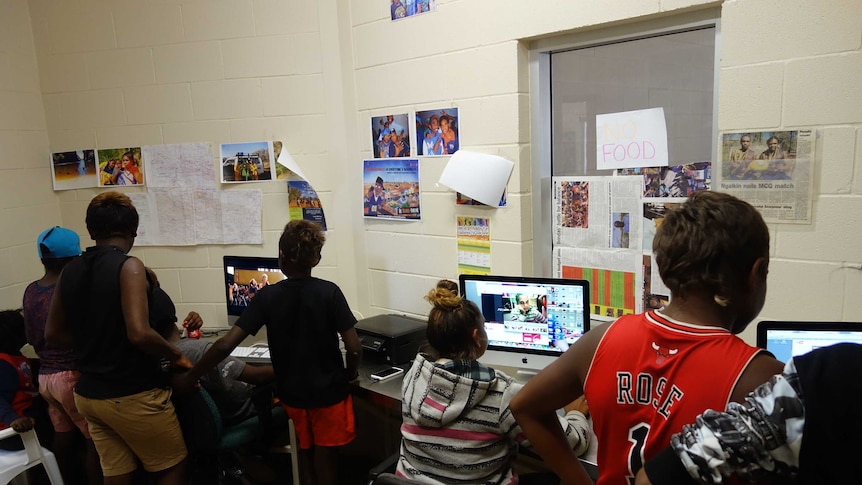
(529, 321)
(789, 339)
(244, 276)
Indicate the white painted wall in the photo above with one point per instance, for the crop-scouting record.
(312, 72)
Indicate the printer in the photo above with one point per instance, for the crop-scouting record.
(390, 339)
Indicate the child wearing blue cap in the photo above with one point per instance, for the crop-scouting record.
(58, 373)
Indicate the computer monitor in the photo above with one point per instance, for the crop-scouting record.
(529, 321)
(244, 276)
(789, 339)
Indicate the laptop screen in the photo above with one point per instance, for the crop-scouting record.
(789, 339)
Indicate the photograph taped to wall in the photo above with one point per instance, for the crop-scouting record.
(401, 9)
(245, 162)
(675, 180)
(390, 136)
(461, 199)
(771, 170)
(391, 188)
(74, 170)
(120, 166)
(437, 132)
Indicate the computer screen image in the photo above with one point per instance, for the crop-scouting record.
(529, 321)
(790, 339)
(244, 276)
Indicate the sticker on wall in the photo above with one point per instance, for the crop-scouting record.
(401, 9)
(437, 132)
(390, 136)
(245, 162)
(120, 166)
(74, 170)
(391, 188)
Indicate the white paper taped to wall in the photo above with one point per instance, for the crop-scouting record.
(479, 176)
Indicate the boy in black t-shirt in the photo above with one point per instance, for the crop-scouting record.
(303, 316)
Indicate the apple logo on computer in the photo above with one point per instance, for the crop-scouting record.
(524, 360)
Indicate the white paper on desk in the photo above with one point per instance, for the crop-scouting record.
(285, 159)
(479, 176)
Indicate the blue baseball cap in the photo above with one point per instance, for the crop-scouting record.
(58, 242)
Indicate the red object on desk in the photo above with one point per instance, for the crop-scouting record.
(196, 333)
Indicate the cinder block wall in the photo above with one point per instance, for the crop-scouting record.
(312, 72)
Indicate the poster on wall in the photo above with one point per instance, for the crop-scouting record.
(245, 162)
(286, 167)
(120, 166)
(616, 280)
(474, 245)
(401, 9)
(771, 170)
(390, 136)
(182, 165)
(304, 203)
(673, 181)
(437, 132)
(74, 169)
(391, 189)
(597, 212)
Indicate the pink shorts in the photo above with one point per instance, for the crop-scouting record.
(58, 389)
(330, 426)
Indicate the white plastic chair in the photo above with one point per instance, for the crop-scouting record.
(14, 463)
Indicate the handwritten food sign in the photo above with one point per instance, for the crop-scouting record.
(631, 139)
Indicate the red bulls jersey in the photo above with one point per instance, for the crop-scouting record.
(649, 377)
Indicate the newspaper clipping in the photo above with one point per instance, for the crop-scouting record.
(771, 170)
(597, 212)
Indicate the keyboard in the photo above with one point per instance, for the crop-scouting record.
(254, 352)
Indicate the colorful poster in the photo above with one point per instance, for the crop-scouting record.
(401, 9)
(304, 203)
(390, 136)
(675, 180)
(474, 245)
(245, 162)
(391, 188)
(120, 166)
(437, 132)
(614, 276)
(74, 170)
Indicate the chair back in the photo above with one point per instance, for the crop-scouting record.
(199, 419)
(14, 463)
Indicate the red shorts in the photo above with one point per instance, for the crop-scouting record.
(330, 426)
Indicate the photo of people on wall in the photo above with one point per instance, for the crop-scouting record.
(121, 166)
(437, 132)
(764, 155)
(245, 162)
(575, 204)
(400, 9)
(390, 136)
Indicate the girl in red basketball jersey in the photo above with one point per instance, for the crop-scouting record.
(647, 375)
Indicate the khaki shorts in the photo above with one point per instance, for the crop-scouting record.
(141, 426)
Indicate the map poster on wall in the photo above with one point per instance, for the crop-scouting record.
(771, 170)
(74, 169)
(390, 188)
(474, 245)
(304, 203)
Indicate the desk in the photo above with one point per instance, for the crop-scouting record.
(378, 420)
